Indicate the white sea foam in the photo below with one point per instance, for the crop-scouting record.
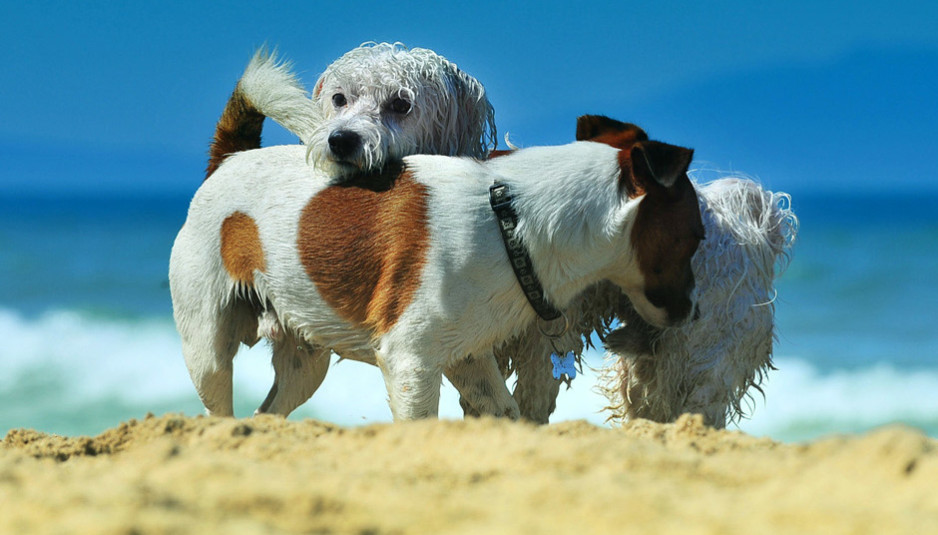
(65, 358)
(80, 360)
(133, 360)
(803, 402)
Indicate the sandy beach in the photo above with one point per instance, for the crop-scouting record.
(175, 474)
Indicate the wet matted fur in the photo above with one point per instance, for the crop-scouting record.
(376, 104)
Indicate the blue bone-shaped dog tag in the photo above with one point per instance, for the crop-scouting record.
(565, 365)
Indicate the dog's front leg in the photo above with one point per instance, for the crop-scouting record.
(413, 384)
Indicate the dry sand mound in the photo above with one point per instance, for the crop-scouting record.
(174, 474)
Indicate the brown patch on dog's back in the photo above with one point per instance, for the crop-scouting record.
(241, 250)
(364, 243)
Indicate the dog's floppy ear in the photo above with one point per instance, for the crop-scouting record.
(317, 90)
(590, 127)
(602, 129)
(656, 165)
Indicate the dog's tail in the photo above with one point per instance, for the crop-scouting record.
(267, 88)
(757, 218)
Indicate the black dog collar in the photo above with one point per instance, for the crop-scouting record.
(500, 199)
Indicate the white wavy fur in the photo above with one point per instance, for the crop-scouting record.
(449, 115)
(276, 92)
(709, 365)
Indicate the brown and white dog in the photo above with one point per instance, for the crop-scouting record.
(407, 268)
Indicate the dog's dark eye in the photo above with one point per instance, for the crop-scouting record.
(338, 100)
(399, 105)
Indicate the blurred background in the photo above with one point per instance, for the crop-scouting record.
(107, 109)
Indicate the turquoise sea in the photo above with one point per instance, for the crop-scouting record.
(87, 338)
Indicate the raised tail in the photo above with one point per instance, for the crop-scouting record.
(267, 88)
(757, 218)
(238, 129)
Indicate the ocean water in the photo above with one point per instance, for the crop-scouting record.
(87, 338)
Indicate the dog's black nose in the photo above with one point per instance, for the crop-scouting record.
(344, 143)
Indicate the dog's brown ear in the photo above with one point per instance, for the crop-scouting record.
(656, 165)
(497, 153)
(590, 127)
(602, 129)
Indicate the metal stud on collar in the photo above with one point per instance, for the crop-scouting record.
(541, 322)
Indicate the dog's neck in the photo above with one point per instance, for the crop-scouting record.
(570, 214)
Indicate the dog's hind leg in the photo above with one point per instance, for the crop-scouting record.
(209, 344)
(299, 369)
(413, 384)
(482, 387)
(536, 389)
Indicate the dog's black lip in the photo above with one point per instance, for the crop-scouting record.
(378, 180)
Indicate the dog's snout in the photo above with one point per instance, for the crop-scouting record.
(344, 143)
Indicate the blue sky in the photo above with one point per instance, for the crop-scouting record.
(122, 97)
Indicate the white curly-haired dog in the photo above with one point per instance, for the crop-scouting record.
(704, 366)
(375, 104)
